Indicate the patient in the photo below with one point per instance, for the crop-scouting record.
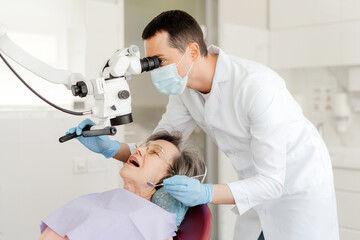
(128, 213)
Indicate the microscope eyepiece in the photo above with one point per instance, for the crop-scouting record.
(149, 63)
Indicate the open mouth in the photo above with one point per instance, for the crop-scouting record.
(133, 161)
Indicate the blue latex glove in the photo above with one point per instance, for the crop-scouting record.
(99, 144)
(189, 191)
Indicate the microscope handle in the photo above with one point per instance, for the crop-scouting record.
(99, 132)
(67, 137)
(89, 133)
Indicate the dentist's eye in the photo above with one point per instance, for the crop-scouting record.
(162, 61)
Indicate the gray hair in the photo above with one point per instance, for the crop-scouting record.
(189, 162)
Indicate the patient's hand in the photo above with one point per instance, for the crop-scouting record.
(49, 234)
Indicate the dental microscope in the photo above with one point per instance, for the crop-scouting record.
(112, 105)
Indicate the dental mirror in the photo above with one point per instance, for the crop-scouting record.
(150, 184)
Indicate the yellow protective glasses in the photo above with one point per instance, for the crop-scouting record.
(155, 149)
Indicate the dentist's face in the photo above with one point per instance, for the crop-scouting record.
(158, 45)
(150, 163)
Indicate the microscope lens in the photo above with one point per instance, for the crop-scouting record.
(149, 63)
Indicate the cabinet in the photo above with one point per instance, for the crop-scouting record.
(301, 13)
(314, 33)
(336, 44)
(347, 190)
(311, 12)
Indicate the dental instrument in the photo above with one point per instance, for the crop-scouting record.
(150, 184)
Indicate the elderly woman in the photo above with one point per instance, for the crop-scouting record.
(128, 213)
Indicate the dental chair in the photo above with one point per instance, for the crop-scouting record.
(197, 224)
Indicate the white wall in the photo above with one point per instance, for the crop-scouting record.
(41, 28)
(37, 173)
(243, 29)
(314, 33)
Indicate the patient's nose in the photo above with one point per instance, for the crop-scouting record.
(140, 151)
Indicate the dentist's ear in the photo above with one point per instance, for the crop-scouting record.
(194, 51)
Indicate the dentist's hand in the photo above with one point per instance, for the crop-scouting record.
(99, 144)
(189, 191)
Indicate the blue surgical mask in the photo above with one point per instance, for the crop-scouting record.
(167, 80)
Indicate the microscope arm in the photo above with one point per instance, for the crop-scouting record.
(112, 105)
(36, 66)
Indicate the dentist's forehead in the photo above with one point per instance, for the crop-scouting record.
(158, 45)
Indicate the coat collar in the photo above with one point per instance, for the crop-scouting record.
(222, 74)
(222, 68)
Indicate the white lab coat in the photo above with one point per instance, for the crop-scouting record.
(283, 165)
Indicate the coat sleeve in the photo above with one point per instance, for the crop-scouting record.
(177, 118)
(264, 105)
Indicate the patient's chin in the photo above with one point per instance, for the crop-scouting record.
(128, 174)
(122, 172)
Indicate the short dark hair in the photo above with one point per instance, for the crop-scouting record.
(188, 162)
(181, 27)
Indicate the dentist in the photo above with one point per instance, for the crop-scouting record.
(283, 165)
